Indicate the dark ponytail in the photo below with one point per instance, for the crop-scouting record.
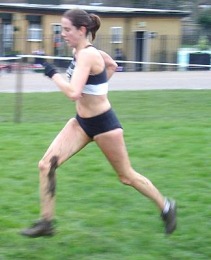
(96, 22)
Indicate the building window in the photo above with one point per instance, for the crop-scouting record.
(8, 32)
(116, 34)
(57, 39)
(34, 32)
(7, 38)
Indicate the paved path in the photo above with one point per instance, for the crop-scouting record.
(37, 82)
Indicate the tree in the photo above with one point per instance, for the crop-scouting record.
(157, 4)
(204, 19)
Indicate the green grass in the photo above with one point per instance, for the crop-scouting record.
(168, 135)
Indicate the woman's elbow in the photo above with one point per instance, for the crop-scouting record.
(73, 96)
(113, 66)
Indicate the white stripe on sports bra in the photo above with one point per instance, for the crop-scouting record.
(100, 89)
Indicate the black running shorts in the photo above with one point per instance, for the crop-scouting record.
(99, 124)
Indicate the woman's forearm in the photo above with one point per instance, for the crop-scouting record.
(65, 87)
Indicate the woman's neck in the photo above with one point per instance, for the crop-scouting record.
(82, 46)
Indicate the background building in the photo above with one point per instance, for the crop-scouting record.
(143, 35)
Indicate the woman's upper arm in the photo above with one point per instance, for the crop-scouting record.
(109, 62)
(81, 72)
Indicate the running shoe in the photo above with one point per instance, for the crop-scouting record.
(40, 228)
(169, 218)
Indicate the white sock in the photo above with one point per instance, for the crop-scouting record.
(166, 206)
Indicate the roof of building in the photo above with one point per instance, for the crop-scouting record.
(105, 10)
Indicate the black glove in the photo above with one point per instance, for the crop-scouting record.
(49, 69)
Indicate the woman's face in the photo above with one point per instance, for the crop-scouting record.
(70, 33)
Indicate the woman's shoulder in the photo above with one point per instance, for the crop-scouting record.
(88, 53)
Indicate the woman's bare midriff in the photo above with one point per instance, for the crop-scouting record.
(92, 105)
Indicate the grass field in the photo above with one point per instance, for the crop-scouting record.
(168, 135)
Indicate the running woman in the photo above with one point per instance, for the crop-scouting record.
(95, 121)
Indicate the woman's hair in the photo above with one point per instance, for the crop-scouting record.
(79, 18)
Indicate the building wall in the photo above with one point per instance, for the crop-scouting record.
(157, 36)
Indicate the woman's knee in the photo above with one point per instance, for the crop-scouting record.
(43, 165)
(48, 165)
(127, 178)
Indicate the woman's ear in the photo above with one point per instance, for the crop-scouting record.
(83, 29)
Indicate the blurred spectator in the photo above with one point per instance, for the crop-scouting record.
(39, 60)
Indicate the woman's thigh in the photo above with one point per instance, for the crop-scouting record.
(69, 141)
(113, 146)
